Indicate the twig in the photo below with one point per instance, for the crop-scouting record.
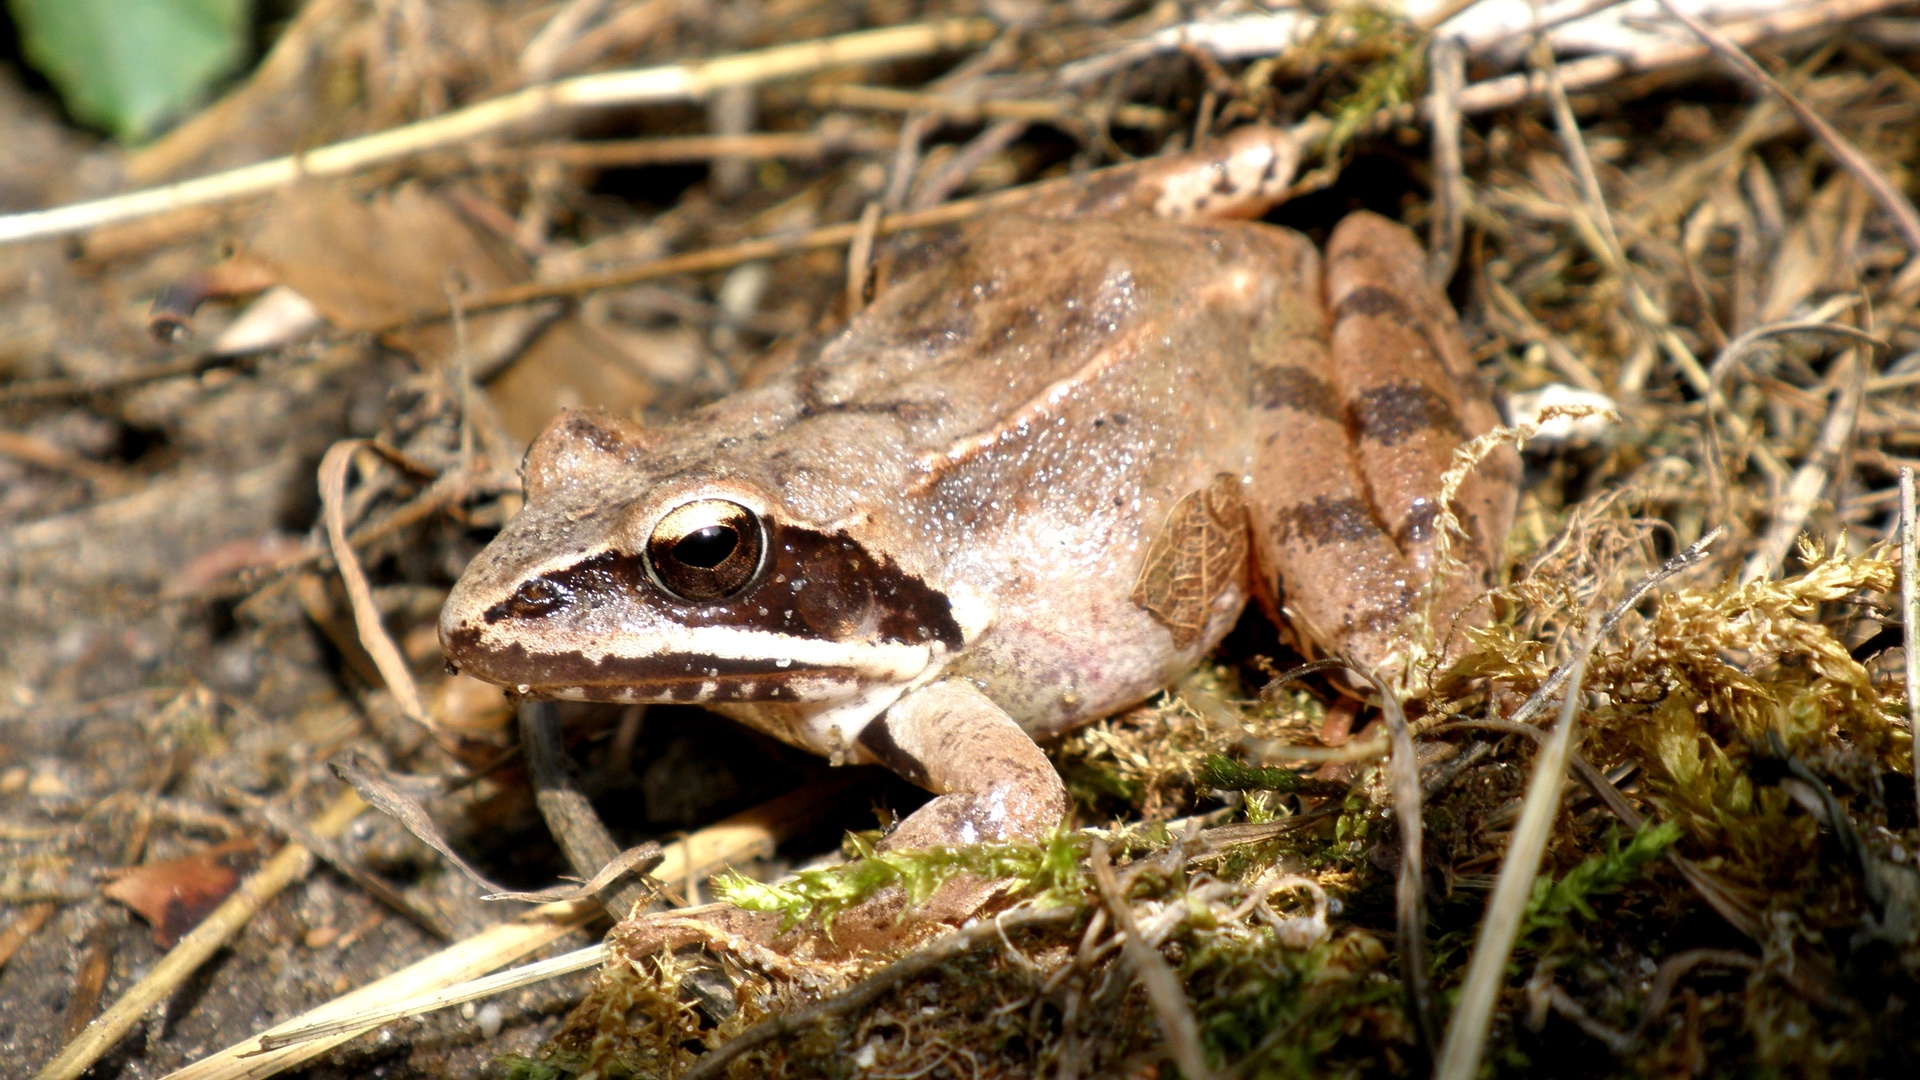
(1810, 479)
(860, 258)
(366, 616)
(962, 109)
(287, 865)
(627, 153)
(1910, 618)
(1673, 969)
(383, 793)
(471, 990)
(926, 959)
(1473, 1015)
(63, 386)
(1891, 199)
(1447, 61)
(1590, 72)
(691, 81)
(104, 479)
(23, 927)
(1170, 1006)
(568, 814)
(372, 884)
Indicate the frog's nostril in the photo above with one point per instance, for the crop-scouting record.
(535, 599)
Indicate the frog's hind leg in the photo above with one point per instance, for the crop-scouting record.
(1412, 396)
(1325, 558)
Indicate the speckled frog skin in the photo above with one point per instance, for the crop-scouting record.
(1035, 480)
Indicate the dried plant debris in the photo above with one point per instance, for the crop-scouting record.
(1719, 302)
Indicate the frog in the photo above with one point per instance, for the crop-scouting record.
(1031, 483)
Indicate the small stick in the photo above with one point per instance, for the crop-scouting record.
(1410, 885)
(860, 258)
(1590, 72)
(1447, 61)
(690, 81)
(366, 616)
(1467, 1033)
(961, 108)
(930, 957)
(1910, 617)
(1891, 199)
(1169, 1001)
(570, 817)
(1810, 479)
(23, 927)
(471, 990)
(105, 479)
(289, 864)
(626, 153)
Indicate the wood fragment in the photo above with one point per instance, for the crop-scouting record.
(95, 962)
(860, 259)
(589, 848)
(104, 479)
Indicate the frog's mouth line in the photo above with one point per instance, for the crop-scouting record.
(671, 676)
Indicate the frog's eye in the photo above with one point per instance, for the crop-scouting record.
(706, 550)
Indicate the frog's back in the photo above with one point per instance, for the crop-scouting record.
(1023, 354)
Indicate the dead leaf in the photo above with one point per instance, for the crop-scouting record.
(175, 894)
(369, 264)
(1197, 553)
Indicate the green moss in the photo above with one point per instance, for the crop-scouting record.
(1049, 871)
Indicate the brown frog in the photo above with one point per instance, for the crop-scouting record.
(1027, 487)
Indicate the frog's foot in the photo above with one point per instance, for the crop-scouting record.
(992, 784)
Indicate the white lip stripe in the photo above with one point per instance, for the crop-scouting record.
(894, 661)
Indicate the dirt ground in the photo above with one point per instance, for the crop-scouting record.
(179, 659)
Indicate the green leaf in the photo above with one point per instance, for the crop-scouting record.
(130, 65)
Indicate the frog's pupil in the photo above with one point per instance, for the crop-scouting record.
(706, 548)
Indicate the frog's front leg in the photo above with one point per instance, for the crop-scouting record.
(990, 781)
